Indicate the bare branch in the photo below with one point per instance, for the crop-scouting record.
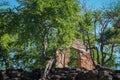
(111, 54)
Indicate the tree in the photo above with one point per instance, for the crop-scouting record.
(5, 39)
(39, 27)
(31, 32)
(106, 34)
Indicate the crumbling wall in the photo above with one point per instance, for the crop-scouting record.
(83, 59)
(62, 58)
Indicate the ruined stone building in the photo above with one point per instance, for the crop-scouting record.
(83, 57)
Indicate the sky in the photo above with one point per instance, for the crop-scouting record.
(94, 4)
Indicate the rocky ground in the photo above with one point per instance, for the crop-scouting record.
(61, 74)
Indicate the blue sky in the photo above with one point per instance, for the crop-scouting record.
(12, 3)
(94, 4)
(97, 4)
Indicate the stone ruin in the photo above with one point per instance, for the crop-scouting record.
(61, 74)
(62, 59)
(83, 57)
(84, 70)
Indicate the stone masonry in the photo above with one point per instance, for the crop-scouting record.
(83, 59)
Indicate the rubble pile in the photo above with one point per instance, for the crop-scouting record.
(20, 74)
(83, 74)
(61, 74)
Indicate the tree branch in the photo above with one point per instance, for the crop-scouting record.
(111, 54)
